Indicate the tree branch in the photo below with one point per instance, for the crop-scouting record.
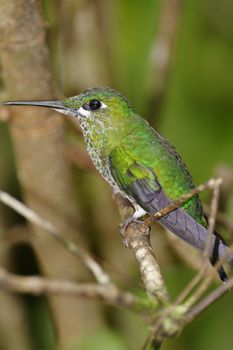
(175, 317)
(211, 184)
(37, 285)
(44, 174)
(212, 217)
(100, 275)
(209, 300)
(137, 238)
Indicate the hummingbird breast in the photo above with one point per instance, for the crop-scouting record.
(95, 150)
(95, 147)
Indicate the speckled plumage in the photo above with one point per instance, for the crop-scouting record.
(142, 165)
(137, 162)
(119, 134)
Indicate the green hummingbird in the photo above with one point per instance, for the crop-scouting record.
(137, 162)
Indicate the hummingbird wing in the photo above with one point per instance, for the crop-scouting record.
(141, 183)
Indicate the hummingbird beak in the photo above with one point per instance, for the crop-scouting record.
(58, 105)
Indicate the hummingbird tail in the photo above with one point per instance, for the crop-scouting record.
(179, 222)
(215, 255)
(196, 235)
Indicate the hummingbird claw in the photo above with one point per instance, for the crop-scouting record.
(123, 225)
(123, 228)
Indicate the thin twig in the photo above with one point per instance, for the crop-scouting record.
(190, 286)
(209, 300)
(207, 281)
(152, 344)
(38, 285)
(179, 322)
(178, 315)
(222, 219)
(100, 275)
(184, 198)
(211, 184)
(178, 319)
(185, 252)
(213, 212)
(212, 217)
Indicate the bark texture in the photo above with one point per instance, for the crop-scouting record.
(39, 143)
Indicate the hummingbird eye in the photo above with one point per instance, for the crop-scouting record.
(92, 105)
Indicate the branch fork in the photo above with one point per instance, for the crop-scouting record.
(172, 317)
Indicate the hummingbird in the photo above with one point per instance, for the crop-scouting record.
(138, 163)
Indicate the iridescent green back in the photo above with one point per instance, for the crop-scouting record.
(117, 132)
(143, 145)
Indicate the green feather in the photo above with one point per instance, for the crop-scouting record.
(135, 149)
(144, 154)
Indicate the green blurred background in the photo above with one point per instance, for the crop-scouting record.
(115, 43)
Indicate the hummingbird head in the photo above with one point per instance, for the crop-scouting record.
(103, 113)
(99, 105)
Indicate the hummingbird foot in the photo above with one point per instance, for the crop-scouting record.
(136, 218)
(123, 228)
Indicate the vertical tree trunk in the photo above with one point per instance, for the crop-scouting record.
(43, 171)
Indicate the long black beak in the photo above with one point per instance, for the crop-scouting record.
(48, 104)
